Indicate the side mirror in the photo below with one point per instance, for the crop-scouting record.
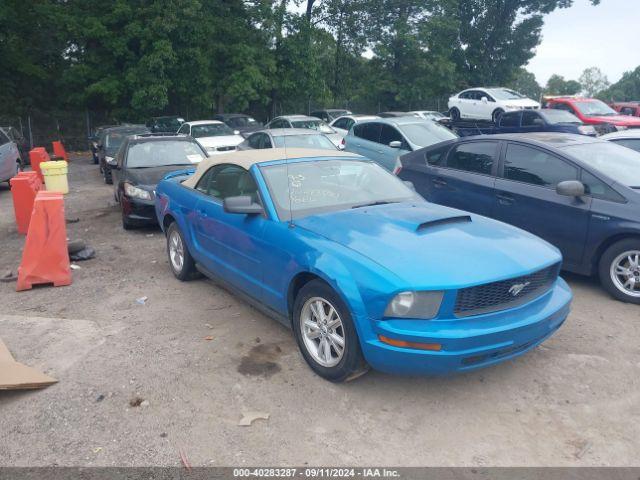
(485, 99)
(570, 188)
(241, 204)
(112, 163)
(236, 132)
(341, 146)
(395, 144)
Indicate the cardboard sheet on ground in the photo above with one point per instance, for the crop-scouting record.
(16, 376)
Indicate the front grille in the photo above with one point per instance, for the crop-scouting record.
(492, 297)
(226, 148)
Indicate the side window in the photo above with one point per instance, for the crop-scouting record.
(371, 131)
(510, 119)
(598, 189)
(631, 143)
(276, 124)
(342, 123)
(436, 158)
(476, 157)
(389, 134)
(266, 141)
(358, 130)
(3, 138)
(531, 119)
(223, 181)
(349, 123)
(465, 96)
(626, 111)
(254, 140)
(184, 129)
(530, 165)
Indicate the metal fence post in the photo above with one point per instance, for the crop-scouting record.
(30, 132)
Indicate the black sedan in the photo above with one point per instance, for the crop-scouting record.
(239, 122)
(138, 167)
(110, 141)
(579, 193)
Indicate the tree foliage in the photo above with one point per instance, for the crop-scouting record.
(625, 89)
(134, 58)
(557, 85)
(593, 81)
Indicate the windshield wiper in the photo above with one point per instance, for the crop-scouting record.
(372, 204)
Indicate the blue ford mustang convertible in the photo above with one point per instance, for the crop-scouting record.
(365, 271)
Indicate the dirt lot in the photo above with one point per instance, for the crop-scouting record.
(573, 401)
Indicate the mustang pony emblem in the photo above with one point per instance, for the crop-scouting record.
(516, 289)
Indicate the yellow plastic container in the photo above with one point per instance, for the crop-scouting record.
(55, 176)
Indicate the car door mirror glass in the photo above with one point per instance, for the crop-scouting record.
(242, 204)
(570, 188)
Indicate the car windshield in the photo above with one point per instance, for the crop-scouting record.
(619, 163)
(210, 130)
(304, 141)
(560, 116)
(424, 134)
(318, 125)
(331, 185)
(240, 122)
(113, 140)
(170, 123)
(163, 153)
(505, 94)
(595, 108)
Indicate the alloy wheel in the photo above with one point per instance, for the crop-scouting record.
(322, 332)
(176, 251)
(625, 273)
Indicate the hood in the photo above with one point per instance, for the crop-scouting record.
(220, 141)
(150, 176)
(622, 120)
(521, 102)
(430, 246)
(335, 138)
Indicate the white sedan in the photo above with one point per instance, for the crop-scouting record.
(487, 103)
(343, 124)
(214, 136)
(626, 138)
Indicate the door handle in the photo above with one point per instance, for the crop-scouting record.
(439, 182)
(505, 199)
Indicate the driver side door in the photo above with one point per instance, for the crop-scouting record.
(231, 244)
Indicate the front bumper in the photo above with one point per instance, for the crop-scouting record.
(468, 343)
(138, 211)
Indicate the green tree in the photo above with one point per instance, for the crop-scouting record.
(525, 82)
(593, 81)
(557, 85)
(625, 89)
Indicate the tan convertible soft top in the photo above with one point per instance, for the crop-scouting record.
(246, 158)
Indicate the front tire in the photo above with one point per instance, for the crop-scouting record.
(180, 260)
(619, 270)
(108, 179)
(325, 333)
(495, 116)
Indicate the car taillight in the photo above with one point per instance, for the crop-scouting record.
(397, 168)
(342, 142)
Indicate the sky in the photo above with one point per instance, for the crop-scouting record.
(605, 36)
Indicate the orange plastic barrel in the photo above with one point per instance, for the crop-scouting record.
(59, 151)
(24, 187)
(38, 155)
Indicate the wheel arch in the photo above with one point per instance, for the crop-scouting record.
(599, 251)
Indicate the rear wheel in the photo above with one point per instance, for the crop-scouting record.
(182, 264)
(620, 270)
(495, 116)
(326, 334)
(108, 179)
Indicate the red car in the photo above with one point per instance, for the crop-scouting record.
(594, 112)
(627, 108)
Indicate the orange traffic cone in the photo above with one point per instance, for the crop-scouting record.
(45, 258)
(59, 151)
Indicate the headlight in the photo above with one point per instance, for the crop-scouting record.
(620, 127)
(110, 160)
(423, 305)
(135, 192)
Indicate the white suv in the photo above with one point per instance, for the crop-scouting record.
(10, 162)
(487, 103)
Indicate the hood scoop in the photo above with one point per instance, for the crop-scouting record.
(443, 221)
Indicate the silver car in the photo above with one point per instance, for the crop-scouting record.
(304, 121)
(287, 138)
(10, 162)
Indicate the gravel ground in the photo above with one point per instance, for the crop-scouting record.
(573, 401)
